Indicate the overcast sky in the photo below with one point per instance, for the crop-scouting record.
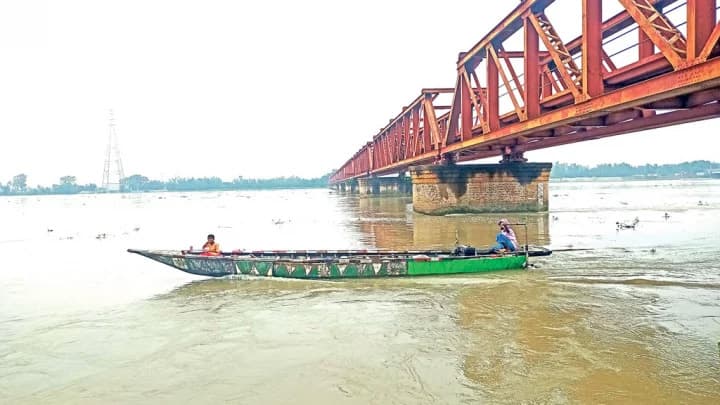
(243, 88)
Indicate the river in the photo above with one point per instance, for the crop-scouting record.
(623, 316)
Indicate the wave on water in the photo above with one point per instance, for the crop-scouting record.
(636, 282)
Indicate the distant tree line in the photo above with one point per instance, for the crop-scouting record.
(140, 183)
(66, 185)
(684, 170)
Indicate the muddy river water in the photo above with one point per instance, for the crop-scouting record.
(630, 316)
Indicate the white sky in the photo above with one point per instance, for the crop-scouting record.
(251, 88)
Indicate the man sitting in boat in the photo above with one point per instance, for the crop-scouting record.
(505, 238)
(211, 248)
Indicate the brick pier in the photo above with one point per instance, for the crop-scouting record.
(506, 187)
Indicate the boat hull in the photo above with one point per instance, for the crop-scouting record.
(334, 268)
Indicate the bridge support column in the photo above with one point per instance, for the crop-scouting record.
(384, 186)
(352, 186)
(347, 187)
(505, 187)
(364, 187)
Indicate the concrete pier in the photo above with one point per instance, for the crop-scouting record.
(388, 186)
(506, 187)
(346, 187)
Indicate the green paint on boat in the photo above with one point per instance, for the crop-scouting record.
(244, 267)
(280, 271)
(368, 270)
(351, 270)
(457, 266)
(298, 272)
(383, 270)
(334, 271)
(314, 272)
(263, 267)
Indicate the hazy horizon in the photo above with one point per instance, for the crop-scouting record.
(228, 180)
(259, 90)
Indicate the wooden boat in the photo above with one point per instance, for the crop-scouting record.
(333, 264)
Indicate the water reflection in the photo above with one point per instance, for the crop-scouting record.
(380, 207)
(477, 230)
(392, 224)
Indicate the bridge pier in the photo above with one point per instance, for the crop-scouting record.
(505, 187)
(384, 186)
(347, 187)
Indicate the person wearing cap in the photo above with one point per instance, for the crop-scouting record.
(505, 238)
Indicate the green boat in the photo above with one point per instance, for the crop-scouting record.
(337, 264)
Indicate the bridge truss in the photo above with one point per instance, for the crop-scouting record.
(554, 92)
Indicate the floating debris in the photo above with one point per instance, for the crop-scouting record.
(624, 225)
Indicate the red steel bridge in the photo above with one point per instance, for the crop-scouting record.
(549, 91)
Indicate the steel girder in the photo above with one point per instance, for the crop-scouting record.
(574, 93)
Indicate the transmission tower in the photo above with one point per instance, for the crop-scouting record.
(112, 157)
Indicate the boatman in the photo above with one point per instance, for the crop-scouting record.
(505, 238)
(210, 248)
